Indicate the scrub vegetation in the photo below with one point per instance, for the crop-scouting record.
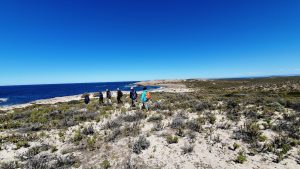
(243, 122)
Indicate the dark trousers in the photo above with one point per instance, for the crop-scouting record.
(119, 100)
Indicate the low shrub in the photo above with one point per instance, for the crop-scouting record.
(200, 106)
(141, 144)
(77, 136)
(113, 135)
(88, 130)
(191, 136)
(282, 144)
(90, 142)
(177, 123)
(22, 143)
(131, 130)
(241, 158)
(155, 118)
(187, 148)
(232, 104)
(194, 125)
(262, 138)
(137, 116)
(9, 165)
(74, 102)
(233, 115)
(30, 153)
(171, 139)
(236, 146)
(157, 126)
(116, 123)
(53, 149)
(211, 118)
(250, 132)
(50, 161)
(105, 164)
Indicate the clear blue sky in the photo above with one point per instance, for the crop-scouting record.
(61, 41)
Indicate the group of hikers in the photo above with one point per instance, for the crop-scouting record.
(145, 97)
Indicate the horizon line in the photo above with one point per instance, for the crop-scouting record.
(215, 78)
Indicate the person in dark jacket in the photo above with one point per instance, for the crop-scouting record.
(133, 96)
(100, 97)
(87, 99)
(119, 95)
(108, 96)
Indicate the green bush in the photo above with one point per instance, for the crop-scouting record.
(53, 149)
(194, 125)
(77, 136)
(90, 143)
(262, 138)
(105, 164)
(233, 115)
(30, 153)
(250, 132)
(241, 158)
(22, 143)
(61, 135)
(236, 146)
(155, 118)
(212, 118)
(170, 139)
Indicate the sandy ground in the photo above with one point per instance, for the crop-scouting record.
(163, 83)
(207, 152)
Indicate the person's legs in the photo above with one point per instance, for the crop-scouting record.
(143, 106)
(146, 106)
(108, 102)
(132, 103)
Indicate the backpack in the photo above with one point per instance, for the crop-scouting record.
(148, 96)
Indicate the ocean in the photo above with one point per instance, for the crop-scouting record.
(12, 95)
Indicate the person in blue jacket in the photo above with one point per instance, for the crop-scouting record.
(144, 98)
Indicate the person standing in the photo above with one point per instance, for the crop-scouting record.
(86, 98)
(100, 97)
(119, 96)
(145, 97)
(133, 96)
(108, 96)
